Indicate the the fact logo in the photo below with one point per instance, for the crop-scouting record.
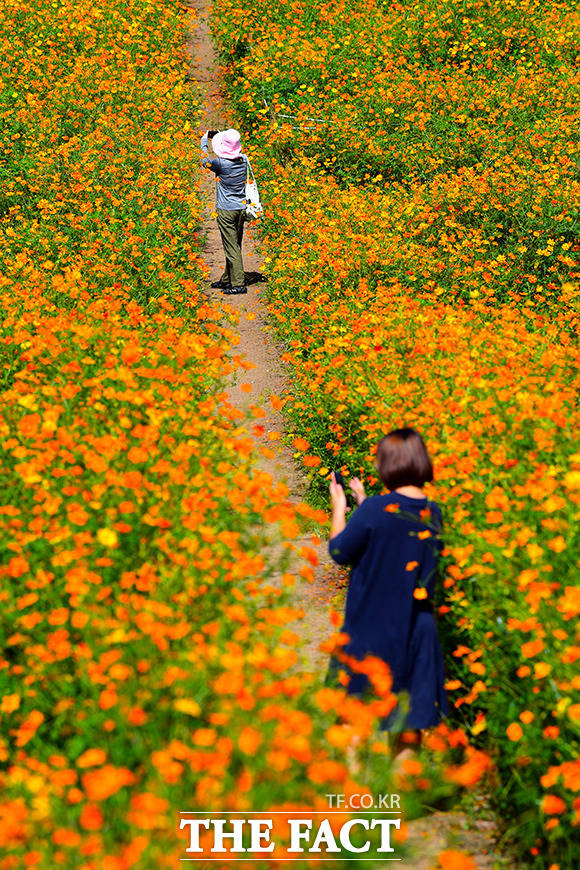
(289, 834)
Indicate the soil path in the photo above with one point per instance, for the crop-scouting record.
(264, 372)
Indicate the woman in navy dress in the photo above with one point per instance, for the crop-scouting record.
(392, 543)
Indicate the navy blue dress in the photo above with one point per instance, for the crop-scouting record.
(391, 554)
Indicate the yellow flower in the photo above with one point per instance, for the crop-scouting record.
(107, 537)
(572, 480)
(187, 705)
(541, 670)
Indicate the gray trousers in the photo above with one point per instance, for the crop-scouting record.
(231, 227)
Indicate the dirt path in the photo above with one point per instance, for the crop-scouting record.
(438, 831)
(266, 376)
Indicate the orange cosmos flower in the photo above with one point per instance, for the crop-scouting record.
(29, 727)
(451, 859)
(472, 770)
(147, 811)
(326, 771)
(552, 804)
(106, 781)
(514, 731)
(9, 703)
(91, 818)
(249, 740)
(91, 758)
(412, 767)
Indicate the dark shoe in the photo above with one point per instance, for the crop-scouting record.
(219, 285)
(234, 291)
(254, 278)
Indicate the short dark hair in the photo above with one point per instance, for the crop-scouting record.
(402, 459)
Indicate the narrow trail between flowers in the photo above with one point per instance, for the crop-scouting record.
(259, 374)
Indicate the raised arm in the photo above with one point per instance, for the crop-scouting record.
(338, 502)
(204, 145)
(347, 541)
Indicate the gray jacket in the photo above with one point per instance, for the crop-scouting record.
(230, 178)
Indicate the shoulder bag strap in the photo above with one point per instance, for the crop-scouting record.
(250, 173)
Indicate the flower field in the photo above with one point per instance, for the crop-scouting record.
(147, 661)
(419, 164)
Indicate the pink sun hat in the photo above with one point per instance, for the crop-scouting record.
(227, 144)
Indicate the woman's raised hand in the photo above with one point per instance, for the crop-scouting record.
(337, 495)
(358, 490)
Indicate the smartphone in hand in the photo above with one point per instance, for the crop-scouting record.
(355, 490)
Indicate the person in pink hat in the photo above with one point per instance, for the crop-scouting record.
(230, 169)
